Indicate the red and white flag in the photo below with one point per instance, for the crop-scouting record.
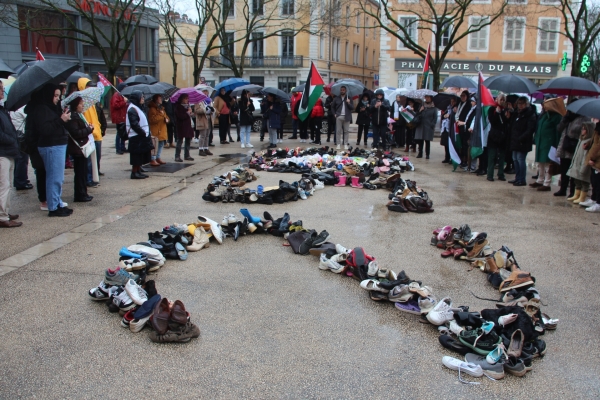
(38, 55)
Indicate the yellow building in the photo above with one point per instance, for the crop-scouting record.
(514, 43)
(341, 44)
(185, 66)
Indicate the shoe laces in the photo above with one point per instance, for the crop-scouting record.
(461, 380)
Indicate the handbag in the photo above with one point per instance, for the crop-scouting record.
(88, 148)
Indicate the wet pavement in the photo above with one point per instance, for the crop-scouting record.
(274, 325)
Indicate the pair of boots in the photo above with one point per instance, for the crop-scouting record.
(355, 181)
(200, 240)
(578, 197)
(137, 174)
(157, 162)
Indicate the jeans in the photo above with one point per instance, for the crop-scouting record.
(245, 133)
(379, 135)
(7, 169)
(294, 128)
(80, 170)
(362, 128)
(186, 149)
(520, 165)
(21, 165)
(54, 164)
(341, 129)
(89, 160)
(494, 152)
(159, 149)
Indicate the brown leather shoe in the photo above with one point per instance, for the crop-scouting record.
(160, 317)
(516, 279)
(10, 224)
(178, 313)
(158, 160)
(535, 185)
(153, 163)
(544, 189)
(208, 152)
(13, 217)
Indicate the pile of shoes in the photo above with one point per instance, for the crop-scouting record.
(407, 196)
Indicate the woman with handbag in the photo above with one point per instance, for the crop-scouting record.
(202, 126)
(140, 144)
(570, 128)
(222, 106)
(79, 131)
(158, 120)
(246, 118)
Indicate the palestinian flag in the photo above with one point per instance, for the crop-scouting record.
(103, 83)
(454, 145)
(426, 67)
(407, 116)
(312, 91)
(481, 129)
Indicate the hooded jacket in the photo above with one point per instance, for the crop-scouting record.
(91, 114)
(523, 127)
(9, 145)
(118, 109)
(296, 96)
(137, 122)
(379, 115)
(363, 110)
(546, 135)
(569, 126)
(580, 169)
(318, 111)
(43, 120)
(246, 110)
(201, 117)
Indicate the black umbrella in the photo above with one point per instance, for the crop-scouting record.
(162, 88)
(276, 92)
(570, 86)
(23, 67)
(510, 83)
(74, 77)
(140, 80)
(5, 70)
(442, 100)
(299, 88)
(586, 107)
(458, 82)
(36, 76)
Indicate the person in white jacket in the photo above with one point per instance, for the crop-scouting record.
(21, 178)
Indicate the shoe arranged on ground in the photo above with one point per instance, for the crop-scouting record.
(215, 229)
(135, 292)
(143, 313)
(461, 366)
(480, 342)
(372, 284)
(308, 244)
(341, 249)
(122, 300)
(321, 238)
(187, 332)
(443, 312)
(400, 293)
(516, 344)
(496, 355)
(117, 277)
(334, 263)
(450, 343)
(426, 304)
(494, 371)
(100, 292)
(411, 306)
(517, 279)
(127, 318)
(132, 264)
(515, 366)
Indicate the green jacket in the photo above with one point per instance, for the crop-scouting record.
(546, 136)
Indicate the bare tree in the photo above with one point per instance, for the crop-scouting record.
(580, 25)
(107, 25)
(167, 19)
(447, 20)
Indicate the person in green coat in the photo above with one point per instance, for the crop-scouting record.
(547, 136)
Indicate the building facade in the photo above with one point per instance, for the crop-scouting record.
(20, 44)
(343, 44)
(518, 42)
(185, 66)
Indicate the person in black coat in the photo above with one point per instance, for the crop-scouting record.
(246, 118)
(363, 117)
(523, 128)
(380, 108)
(497, 138)
(330, 117)
(78, 130)
(400, 122)
(461, 117)
(140, 143)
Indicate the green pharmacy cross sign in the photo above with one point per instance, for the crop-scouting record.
(585, 64)
(564, 61)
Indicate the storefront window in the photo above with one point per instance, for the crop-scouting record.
(51, 22)
(144, 44)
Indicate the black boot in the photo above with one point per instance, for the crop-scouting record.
(420, 155)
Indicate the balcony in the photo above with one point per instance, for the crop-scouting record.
(259, 62)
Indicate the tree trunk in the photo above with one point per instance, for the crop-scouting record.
(435, 75)
(174, 71)
(576, 60)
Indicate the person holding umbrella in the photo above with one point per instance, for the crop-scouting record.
(183, 115)
(94, 116)
(47, 121)
(79, 131)
(9, 150)
(222, 107)
(547, 136)
(138, 130)
(342, 107)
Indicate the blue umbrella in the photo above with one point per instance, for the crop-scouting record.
(230, 84)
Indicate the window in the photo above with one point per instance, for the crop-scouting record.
(337, 56)
(337, 12)
(356, 54)
(287, 7)
(286, 83)
(287, 48)
(258, 7)
(548, 35)
(347, 16)
(446, 28)
(144, 44)
(257, 80)
(514, 32)
(228, 44)
(521, 2)
(367, 27)
(374, 60)
(367, 57)
(321, 45)
(258, 49)
(335, 47)
(46, 44)
(410, 30)
(478, 41)
(346, 52)
(229, 8)
(357, 22)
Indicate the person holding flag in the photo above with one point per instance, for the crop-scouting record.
(95, 116)
(312, 92)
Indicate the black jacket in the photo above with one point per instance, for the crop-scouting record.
(523, 127)
(380, 115)
(48, 128)
(9, 143)
(79, 131)
(499, 129)
(363, 116)
(101, 119)
(246, 110)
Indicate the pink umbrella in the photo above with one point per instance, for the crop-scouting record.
(195, 96)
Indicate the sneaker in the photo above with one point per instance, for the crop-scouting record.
(372, 284)
(123, 301)
(321, 238)
(243, 146)
(494, 371)
(400, 293)
(496, 355)
(587, 203)
(127, 318)
(302, 194)
(455, 327)
(515, 366)
(480, 342)
(117, 277)
(411, 307)
(137, 325)
(450, 343)
(318, 185)
(593, 208)
(135, 292)
(188, 332)
(334, 263)
(517, 279)
(132, 264)
(100, 292)
(341, 249)
(442, 312)
(249, 145)
(373, 268)
(307, 244)
(461, 366)
(426, 304)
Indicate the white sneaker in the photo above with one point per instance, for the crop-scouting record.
(43, 207)
(341, 249)
(442, 312)
(63, 204)
(372, 284)
(333, 263)
(100, 292)
(243, 146)
(337, 147)
(587, 203)
(455, 327)
(318, 185)
(123, 301)
(302, 194)
(135, 292)
(373, 268)
(249, 145)
(138, 324)
(594, 208)
(215, 229)
(133, 264)
(461, 366)
(345, 147)
(426, 304)
(232, 219)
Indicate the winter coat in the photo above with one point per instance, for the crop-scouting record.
(219, 104)
(546, 135)
(426, 128)
(9, 143)
(379, 115)
(594, 151)
(79, 131)
(572, 129)
(336, 106)
(48, 127)
(522, 130)
(136, 121)
(246, 111)
(273, 116)
(363, 111)
(580, 169)
(201, 117)
(157, 119)
(184, 122)
(118, 109)
(295, 99)
(91, 115)
(318, 111)
(499, 135)
(235, 113)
